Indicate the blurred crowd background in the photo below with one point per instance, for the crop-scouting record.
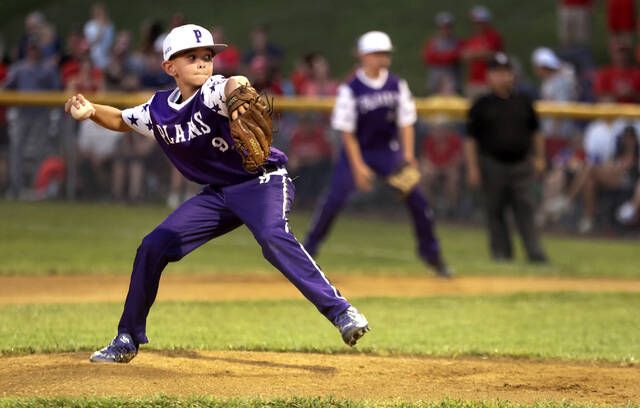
(593, 166)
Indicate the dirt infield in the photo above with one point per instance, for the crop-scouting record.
(268, 375)
(83, 289)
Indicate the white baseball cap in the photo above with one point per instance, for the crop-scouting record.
(374, 41)
(480, 14)
(186, 37)
(545, 57)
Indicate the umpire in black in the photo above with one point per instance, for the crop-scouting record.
(504, 152)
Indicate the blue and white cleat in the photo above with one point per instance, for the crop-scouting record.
(352, 325)
(121, 350)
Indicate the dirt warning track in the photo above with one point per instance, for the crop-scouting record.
(270, 375)
(83, 289)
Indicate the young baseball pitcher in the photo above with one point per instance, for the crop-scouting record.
(217, 132)
(375, 113)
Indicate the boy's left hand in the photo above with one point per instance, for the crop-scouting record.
(250, 126)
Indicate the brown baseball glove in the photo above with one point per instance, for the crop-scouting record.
(251, 129)
(405, 179)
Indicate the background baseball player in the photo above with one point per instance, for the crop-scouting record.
(375, 113)
(217, 132)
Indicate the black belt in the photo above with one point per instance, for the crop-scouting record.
(269, 167)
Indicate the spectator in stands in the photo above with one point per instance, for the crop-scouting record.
(300, 75)
(621, 21)
(49, 42)
(76, 50)
(147, 59)
(153, 77)
(613, 157)
(263, 77)
(177, 19)
(99, 32)
(441, 54)
(557, 84)
(563, 182)
(96, 146)
(442, 158)
(29, 127)
(629, 212)
(310, 155)
(131, 152)
(262, 47)
(33, 23)
(130, 167)
(319, 82)
(122, 73)
(227, 62)
(574, 23)
(88, 79)
(485, 42)
(96, 151)
(619, 82)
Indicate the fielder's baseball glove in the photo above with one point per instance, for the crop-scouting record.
(251, 130)
(405, 179)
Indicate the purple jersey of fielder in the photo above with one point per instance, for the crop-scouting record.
(374, 109)
(195, 135)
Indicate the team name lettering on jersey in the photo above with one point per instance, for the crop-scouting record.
(373, 101)
(194, 127)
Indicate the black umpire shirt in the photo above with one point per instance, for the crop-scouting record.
(503, 128)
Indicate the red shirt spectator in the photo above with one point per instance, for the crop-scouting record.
(621, 16)
(299, 78)
(82, 76)
(309, 144)
(484, 42)
(619, 84)
(433, 54)
(443, 150)
(227, 62)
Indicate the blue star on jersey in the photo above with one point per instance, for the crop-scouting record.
(133, 120)
(149, 125)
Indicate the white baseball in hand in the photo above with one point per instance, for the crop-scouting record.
(83, 112)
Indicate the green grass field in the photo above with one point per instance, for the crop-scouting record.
(557, 326)
(62, 238)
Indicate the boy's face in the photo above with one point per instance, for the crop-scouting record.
(376, 60)
(191, 67)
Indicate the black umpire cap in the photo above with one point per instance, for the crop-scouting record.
(499, 60)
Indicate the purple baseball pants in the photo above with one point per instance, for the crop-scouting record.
(262, 204)
(342, 186)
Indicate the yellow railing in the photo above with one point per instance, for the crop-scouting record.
(454, 106)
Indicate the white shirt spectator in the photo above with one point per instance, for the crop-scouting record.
(600, 139)
(100, 37)
(560, 87)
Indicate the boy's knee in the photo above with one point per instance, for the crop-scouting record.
(157, 241)
(270, 236)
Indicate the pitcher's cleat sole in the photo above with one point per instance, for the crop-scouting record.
(352, 338)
